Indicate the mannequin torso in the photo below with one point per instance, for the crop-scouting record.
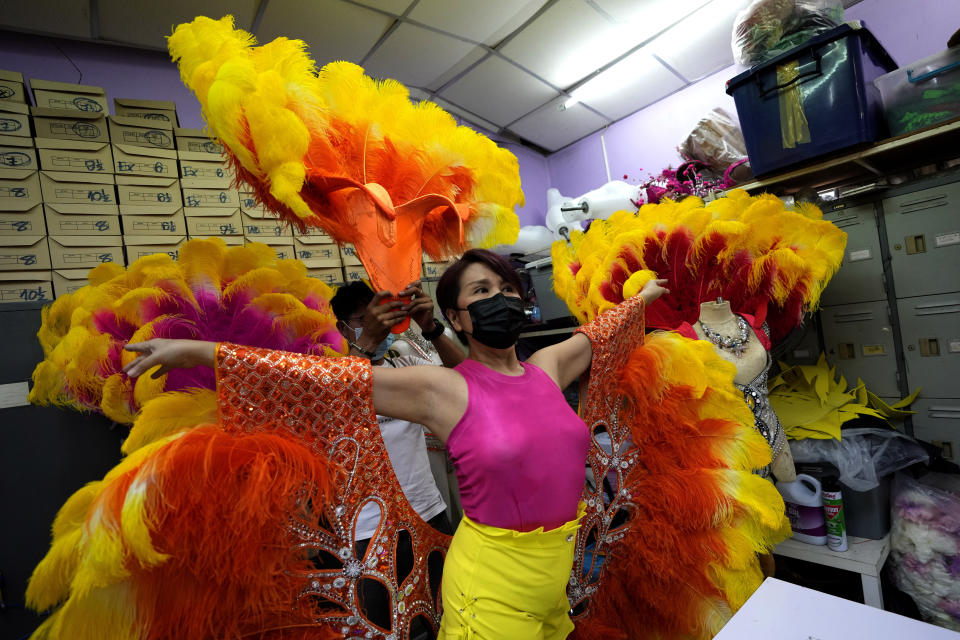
(751, 362)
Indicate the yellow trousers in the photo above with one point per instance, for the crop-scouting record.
(500, 584)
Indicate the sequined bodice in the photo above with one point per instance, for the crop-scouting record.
(765, 419)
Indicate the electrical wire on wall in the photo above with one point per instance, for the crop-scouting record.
(69, 59)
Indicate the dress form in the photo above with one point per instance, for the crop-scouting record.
(750, 364)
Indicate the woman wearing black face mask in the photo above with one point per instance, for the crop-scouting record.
(518, 449)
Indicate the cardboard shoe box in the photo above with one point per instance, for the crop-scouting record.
(74, 155)
(282, 246)
(433, 270)
(230, 241)
(155, 134)
(23, 223)
(14, 119)
(209, 226)
(70, 125)
(22, 253)
(69, 280)
(318, 235)
(349, 256)
(206, 174)
(143, 191)
(65, 95)
(17, 152)
(131, 160)
(317, 254)
(355, 274)
(197, 141)
(85, 252)
(153, 110)
(64, 187)
(19, 189)
(12, 87)
(152, 221)
(332, 276)
(257, 228)
(199, 198)
(142, 246)
(81, 220)
(25, 286)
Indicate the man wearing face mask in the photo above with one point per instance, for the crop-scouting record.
(365, 320)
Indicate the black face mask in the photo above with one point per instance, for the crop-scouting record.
(497, 320)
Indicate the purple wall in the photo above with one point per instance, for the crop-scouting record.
(645, 142)
(150, 75)
(124, 72)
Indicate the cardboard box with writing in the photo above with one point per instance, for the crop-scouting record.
(349, 256)
(317, 254)
(65, 187)
(85, 252)
(69, 280)
(70, 125)
(12, 87)
(200, 198)
(145, 191)
(153, 110)
(74, 155)
(209, 226)
(282, 246)
(66, 95)
(131, 160)
(23, 223)
(142, 246)
(332, 276)
(25, 286)
(19, 189)
(313, 232)
(205, 174)
(248, 204)
(433, 270)
(24, 253)
(14, 119)
(152, 221)
(355, 274)
(154, 134)
(230, 241)
(81, 220)
(17, 152)
(256, 228)
(196, 141)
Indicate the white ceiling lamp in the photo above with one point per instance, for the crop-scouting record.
(700, 44)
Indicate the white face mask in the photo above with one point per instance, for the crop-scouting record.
(357, 331)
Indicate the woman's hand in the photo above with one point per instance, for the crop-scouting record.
(653, 290)
(170, 354)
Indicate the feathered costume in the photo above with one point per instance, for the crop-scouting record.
(232, 515)
(351, 155)
(682, 440)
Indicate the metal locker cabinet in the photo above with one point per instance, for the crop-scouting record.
(923, 228)
(937, 420)
(860, 278)
(858, 339)
(930, 329)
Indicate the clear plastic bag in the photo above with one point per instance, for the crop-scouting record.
(925, 545)
(863, 455)
(717, 142)
(767, 28)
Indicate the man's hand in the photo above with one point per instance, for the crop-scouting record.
(378, 319)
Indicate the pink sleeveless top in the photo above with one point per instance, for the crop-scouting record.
(519, 450)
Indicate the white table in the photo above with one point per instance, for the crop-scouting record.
(863, 556)
(783, 611)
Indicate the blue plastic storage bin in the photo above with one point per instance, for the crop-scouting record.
(813, 100)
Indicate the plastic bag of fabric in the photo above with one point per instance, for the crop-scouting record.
(717, 142)
(767, 28)
(863, 455)
(925, 545)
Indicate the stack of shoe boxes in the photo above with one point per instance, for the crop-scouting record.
(211, 204)
(260, 225)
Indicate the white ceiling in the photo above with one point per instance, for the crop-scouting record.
(505, 65)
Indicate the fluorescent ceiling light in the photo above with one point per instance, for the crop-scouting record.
(613, 79)
(634, 23)
(572, 100)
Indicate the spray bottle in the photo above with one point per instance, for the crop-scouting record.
(833, 510)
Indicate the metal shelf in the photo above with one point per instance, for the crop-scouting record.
(894, 155)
